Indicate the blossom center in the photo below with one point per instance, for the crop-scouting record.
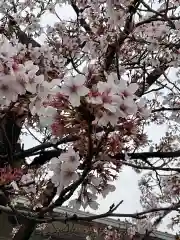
(4, 87)
(123, 107)
(106, 98)
(72, 158)
(73, 88)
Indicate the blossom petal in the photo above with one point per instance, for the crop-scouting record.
(69, 81)
(65, 90)
(110, 107)
(75, 203)
(74, 100)
(93, 204)
(132, 88)
(79, 80)
(82, 90)
(50, 111)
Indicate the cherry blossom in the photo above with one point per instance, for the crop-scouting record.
(7, 51)
(108, 188)
(32, 79)
(108, 117)
(90, 86)
(47, 115)
(74, 88)
(95, 181)
(64, 169)
(75, 203)
(9, 89)
(127, 91)
(142, 110)
(143, 225)
(94, 97)
(28, 179)
(9, 174)
(108, 95)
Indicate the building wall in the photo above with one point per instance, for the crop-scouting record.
(70, 231)
(5, 227)
(57, 230)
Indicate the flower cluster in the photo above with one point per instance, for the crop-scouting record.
(171, 185)
(27, 179)
(114, 233)
(111, 100)
(75, 104)
(64, 169)
(20, 76)
(8, 175)
(15, 78)
(111, 234)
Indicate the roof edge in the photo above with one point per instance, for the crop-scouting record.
(106, 221)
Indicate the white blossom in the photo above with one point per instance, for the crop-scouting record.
(108, 118)
(88, 238)
(74, 88)
(93, 204)
(127, 90)
(7, 51)
(142, 110)
(95, 181)
(47, 115)
(109, 97)
(127, 107)
(75, 203)
(107, 189)
(9, 88)
(64, 169)
(27, 178)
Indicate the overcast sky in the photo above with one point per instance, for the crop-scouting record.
(127, 184)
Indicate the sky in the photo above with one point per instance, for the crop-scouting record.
(127, 183)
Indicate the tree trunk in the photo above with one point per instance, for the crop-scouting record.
(25, 231)
(9, 135)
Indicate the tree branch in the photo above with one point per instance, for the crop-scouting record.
(111, 50)
(81, 20)
(166, 109)
(43, 146)
(110, 213)
(140, 155)
(154, 168)
(144, 155)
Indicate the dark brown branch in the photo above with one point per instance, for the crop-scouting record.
(44, 156)
(145, 155)
(120, 156)
(151, 78)
(30, 151)
(24, 39)
(166, 109)
(155, 18)
(81, 20)
(67, 192)
(25, 230)
(111, 50)
(29, 224)
(140, 215)
(22, 36)
(155, 168)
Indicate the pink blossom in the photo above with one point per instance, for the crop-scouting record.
(74, 88)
